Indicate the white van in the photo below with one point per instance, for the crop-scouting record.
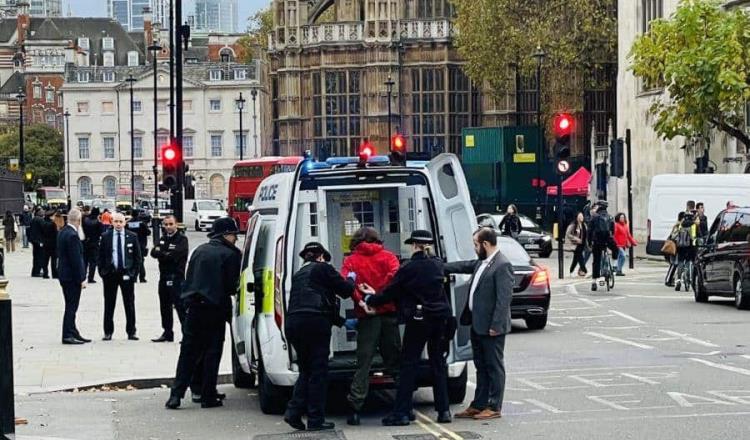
(670, 193)
(202, 213)
(327, 202)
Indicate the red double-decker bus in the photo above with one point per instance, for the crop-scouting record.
(245, 179)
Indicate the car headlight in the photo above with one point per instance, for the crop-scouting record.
(546, 238)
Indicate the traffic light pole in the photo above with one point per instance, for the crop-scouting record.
(631, 258)
(560, 228)
(177, 192)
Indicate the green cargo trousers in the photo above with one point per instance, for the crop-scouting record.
(373, 332)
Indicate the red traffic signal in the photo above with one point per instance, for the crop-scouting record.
(170, 165)
(398, 143)
(366, 151)
(170, 154)
(563, 125)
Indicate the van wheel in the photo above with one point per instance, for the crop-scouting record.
(457, 387)
(741, 299)
(699, 289)
(240, 379)
(536, 322)
(273, 398)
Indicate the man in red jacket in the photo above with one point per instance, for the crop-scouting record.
(376, 327)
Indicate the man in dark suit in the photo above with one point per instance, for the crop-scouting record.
(49, 240)
(92, 230)
(72, 276)
(119, 262)
(487, 310)
(35, 237)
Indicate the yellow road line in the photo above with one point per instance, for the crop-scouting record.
(448, 432)
(437, 435)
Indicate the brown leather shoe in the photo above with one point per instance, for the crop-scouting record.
(488, 414)
(468, 413)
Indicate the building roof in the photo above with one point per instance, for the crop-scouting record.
(13, 85)
(7, 29)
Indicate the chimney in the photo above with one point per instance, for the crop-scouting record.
(148, 27)
(22, 21)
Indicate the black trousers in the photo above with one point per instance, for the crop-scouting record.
(170, 289)
(578, 259)
(90, 255)
(112, 282)
(37, 259)
(142, 269)
(489, 361)
(429, 331)
(310, 336)
(72, 294)
(596, 250)
(202, 338)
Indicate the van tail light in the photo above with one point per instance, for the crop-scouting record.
(540, 278)
(278, 289)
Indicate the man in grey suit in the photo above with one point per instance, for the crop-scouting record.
(487, 310)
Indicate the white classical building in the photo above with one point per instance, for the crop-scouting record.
(99, 131)
(653, 155)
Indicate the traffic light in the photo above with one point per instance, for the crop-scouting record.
(563, 131)
(170, 165)
(616, 158)
(366, 151)
(398, 149)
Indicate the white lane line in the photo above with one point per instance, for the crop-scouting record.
(626, 316)
(621, 341)
(553, 324)
(639, 417)
(589, 302)
(567, 370)
(657, 296)
(710, 353)
(583, 317)
(626, 327)
(737, 370)
(687, 338)
(746, 356)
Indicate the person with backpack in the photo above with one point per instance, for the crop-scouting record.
(687, 232)
(672, 270)
(601, 238)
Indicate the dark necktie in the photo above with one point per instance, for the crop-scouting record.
(120, 262)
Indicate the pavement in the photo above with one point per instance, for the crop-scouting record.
(640, 361)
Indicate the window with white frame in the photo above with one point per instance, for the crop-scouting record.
(108, 107)
(137, 106)
(83, 147)
(137, 147)
(214, 105)
(650, 11)
(108, 142)
(237, 140)
(240, 74)
(85, 188)
(83, 43)
(82, 107)
(132, 58)
(216, 148)
(108, 43)
(187, 105)
(214, 75)
(83, 77)
(187, 146)
(51, 118)
(139, 183)
(37, 91)
(109, 59)
(162, 105)
(50, 98)
(110, 186)
(108, 76)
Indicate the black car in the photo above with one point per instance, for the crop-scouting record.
(531, 291)
(532, 237)
(722, 266)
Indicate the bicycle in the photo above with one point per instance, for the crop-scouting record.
(607, 271)
(685, 270)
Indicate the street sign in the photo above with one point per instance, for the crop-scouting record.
(524, 157)
(563, 166)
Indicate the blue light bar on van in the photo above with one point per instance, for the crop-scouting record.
(309, 164)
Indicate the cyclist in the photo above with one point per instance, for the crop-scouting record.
(601, 232)
(685, 238)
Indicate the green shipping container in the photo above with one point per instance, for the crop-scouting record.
(500, 164)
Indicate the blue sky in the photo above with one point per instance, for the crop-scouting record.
(98, 8)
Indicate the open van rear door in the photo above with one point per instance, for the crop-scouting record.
(247, 302)
(456, 222)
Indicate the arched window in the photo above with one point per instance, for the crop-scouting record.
(217, 186)
(139, 184)
(110, 186)
(227, 55)
(85, 188)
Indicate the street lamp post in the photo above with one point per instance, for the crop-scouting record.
(539, 55)
(389, 84)
(21, 97)
(132, 80)
(68, 185)
(241, 106)
(155, 48)
(254, 94)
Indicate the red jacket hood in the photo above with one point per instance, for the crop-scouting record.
(368, 249)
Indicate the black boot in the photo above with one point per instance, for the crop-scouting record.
(322, 426)
(395, 420)
(444, 417)
(353, 419)
(173, 402)
(295, 422)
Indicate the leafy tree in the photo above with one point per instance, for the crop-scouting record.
(700, 56)
(43, 153)
(577, 37)
(259, 26)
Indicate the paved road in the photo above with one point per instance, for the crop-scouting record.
(642, 361)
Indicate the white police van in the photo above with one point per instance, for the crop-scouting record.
(327, 202)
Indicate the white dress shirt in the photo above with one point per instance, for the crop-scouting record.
(114, 247)
(478, 275)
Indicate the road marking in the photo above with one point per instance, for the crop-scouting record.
(710, 353)
(746, 356)
(639, 417)
(657, 296)
(687, 338)
(737, 370)
(566, 370)
(583, 317)
(621, 341)
(436, 434)
(553, 324)
(626, 316)
(545, 406)
(429, 421)
(626, 327)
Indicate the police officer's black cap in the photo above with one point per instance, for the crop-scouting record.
(420, 236)
(315, 247)
(223, 226)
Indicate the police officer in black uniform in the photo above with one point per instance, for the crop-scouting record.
(138, 224)
(313, 309)
(92, 231)
(172, 253)
(419, 291)
(213, 275)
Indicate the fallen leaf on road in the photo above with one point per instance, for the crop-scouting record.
(21, 421)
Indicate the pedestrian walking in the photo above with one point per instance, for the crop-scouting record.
(119, 261)
(624, 241)
(24, 222)
(72, 276)
(487, 311)
(672, 256)
(313, 309)
(93, 230)
(687, 232)
(212, 279)
(172, 253)
(377, 328)
(36, 234)
(510, 225)
(49, 239)
(577, 237)
(10, 231)
(138, 225)
(701, 220)
(418, 289)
